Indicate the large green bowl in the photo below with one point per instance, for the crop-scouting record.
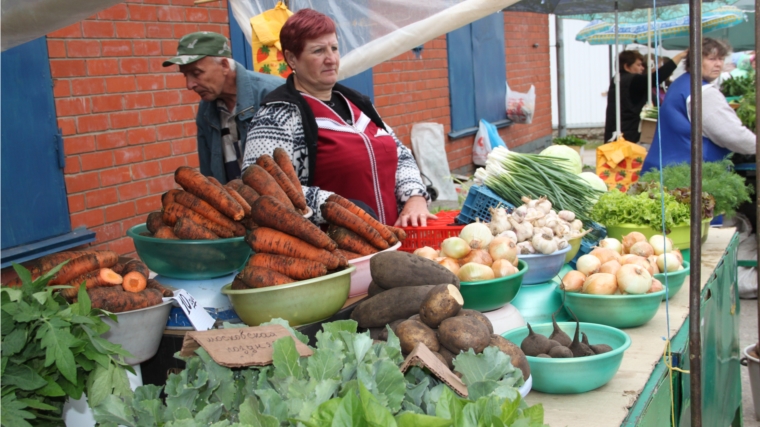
(299, 303)
(190, 259)
(676, 279)
(680, 235)
(489, 295)
(620, 311)
(577, 374)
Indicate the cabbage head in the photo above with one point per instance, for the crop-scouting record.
(571, 159)
(594, 181)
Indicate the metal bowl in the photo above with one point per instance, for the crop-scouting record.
(139, 331)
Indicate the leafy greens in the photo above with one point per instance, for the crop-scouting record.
(615, 208)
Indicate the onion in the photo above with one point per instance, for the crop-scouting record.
(605, 255)
(426, 252)
(479, 256)
(660, 244)
(503, 268)
(643, 263)
(503, 248)
(588, 264)
(600, 284)
(643, 249)
(573, 281)
(677, 253)
(633, 279)
(625, 259)
(450, 263)
(612, 243)
(610, 266)
(670, 259)
(472, 272)
(455, 247)
(656, 286)
(653, 262)
(476, 232)
(632, 238)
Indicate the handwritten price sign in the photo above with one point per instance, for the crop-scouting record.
(199, 317)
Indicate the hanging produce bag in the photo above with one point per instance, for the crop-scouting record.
(486, 140)
(619, 163)
(265, 41)
(520, 106)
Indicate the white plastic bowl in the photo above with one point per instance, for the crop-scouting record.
(361, 277)
(505, 319)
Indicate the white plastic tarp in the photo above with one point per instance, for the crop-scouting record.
(371, 32)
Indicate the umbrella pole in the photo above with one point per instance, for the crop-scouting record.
(649, 57)
(695, 278)
(618, 134)
(757, 161)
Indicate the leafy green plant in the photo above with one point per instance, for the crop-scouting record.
(615, 208)
(738, 86)
(718, 180)
(747, 110)
(348, 381)
(52, 351)
(570, 140)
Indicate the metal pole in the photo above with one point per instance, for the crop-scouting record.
(618, 133)
(561, 112)
(757, 163)
(695, 278)
(649, 57)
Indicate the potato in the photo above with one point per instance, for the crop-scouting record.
(517, 356)
(374, 333)
(411, 332)
(397, 269)
(462, 333)
(384, 334)
(477, 315)
(442, 302)
(416, 317)
(373, 289)
(447, 356)
(393, 304)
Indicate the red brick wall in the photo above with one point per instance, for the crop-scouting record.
(127, 122)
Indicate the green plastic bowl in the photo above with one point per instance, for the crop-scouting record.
(299, 303)
(680, 235)
(620, 311)
(577, 374)
(676, 279)
(489, 295)
(190, 259)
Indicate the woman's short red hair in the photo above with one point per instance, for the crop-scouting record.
(304, 25)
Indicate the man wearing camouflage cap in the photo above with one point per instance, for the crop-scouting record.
(230, 95)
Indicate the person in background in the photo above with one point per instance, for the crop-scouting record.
(230, 95)
(722, 131)
(633, 93)
(337, 141)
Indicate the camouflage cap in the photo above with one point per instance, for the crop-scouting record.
(195, 46)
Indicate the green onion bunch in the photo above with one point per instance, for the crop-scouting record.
(514, 175)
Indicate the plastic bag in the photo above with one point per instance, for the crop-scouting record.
(486, 140)
(429, 145)
(265, 41)
(520, 106)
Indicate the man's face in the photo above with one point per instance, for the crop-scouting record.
(206, 77)
(636, 68)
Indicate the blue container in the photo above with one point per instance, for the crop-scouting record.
(542, 268)
(479, 200)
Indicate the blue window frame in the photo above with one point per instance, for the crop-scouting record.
(477, 75)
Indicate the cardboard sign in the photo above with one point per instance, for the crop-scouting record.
(423, 357)
(238, 347)
(199, 317)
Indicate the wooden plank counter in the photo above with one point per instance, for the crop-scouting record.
(609, 405)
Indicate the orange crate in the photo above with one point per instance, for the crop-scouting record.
(433, 234)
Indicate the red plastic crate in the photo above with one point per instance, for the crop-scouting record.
(433, 234)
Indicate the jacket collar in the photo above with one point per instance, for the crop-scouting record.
(245, 95)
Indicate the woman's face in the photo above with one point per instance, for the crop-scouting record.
(712, 66)
(317, 67)
(636, 68)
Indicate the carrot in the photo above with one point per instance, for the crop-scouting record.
(238, 285)
(269, 212)
(197, 184)
(248, 223)
(350, 241)
(283, 161)
(196, 204)
(188, 229)
(165, 232)
(101, 277)
(296, 268)
(214, 181)
(399, 232)
(362, 214)
(296, 196)
(260, 180)
(249, 194)
(268, 240)
(338, 215)
(259, 277)
(235, 195)
(348, 254)
(166, 292)
(168, 197)
(116, 300)
(154, 221)
(135, 276)
(84, 264)
(175, 211)
(118, 268)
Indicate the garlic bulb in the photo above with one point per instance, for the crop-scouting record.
(510, 234)
(561, 243)
(499, 221)
(523, 231)
(566, 216)
(544, 205)
(544, 243)
(519, 213)
(526, 248)
(576, 225)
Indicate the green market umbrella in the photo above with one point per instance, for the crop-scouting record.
(741, 37)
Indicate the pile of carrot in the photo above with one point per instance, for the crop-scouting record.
(111, 285)
(356, 233)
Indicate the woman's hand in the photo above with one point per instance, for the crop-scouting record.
(415, 213)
